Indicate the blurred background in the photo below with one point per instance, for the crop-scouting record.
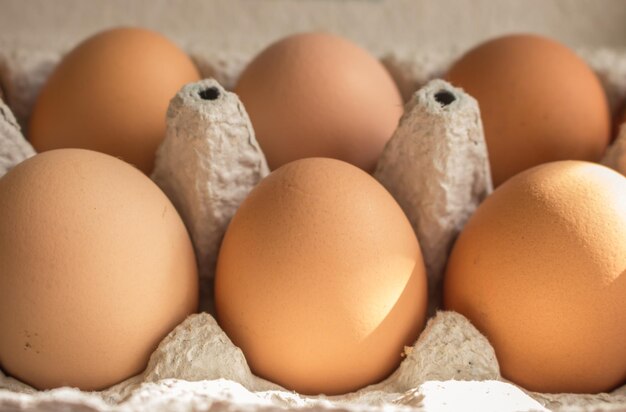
(379, 25)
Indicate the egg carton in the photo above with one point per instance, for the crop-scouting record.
(437, 152)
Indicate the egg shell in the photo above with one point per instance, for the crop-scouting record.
(317, 94)
(97, 267)
(110, 94)
(538, 100)
(540, 269)
(320, 279)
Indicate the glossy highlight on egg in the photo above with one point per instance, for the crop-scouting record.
(320, 279)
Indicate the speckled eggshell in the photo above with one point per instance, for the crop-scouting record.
(111, 94)
(539, 102)
(540, 268)
(320, 279)
(97, 267)
(317, 94)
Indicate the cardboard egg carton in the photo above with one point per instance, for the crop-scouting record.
(450, 367)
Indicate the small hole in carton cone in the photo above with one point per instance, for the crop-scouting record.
(212, 93)
(444, 97)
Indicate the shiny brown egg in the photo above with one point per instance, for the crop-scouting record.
(320, 95)
(540, 269)
(539, 102)
(320, 279)
(110, 94)
(97, 268)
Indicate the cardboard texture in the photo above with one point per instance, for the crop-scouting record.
(210, 139)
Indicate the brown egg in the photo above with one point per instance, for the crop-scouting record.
(540, 269)
(316, 94)
(539, 102)
(320, 279)
(97, 267)
(111, 94)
